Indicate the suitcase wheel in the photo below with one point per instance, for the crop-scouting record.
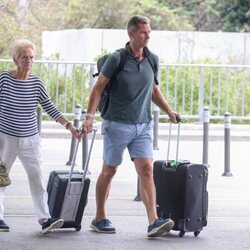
(78, 228)
(181, 234)
(205, 222)
(196, 233)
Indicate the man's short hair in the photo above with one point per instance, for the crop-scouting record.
(135, 20)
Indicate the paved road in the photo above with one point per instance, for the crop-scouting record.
(229, 203)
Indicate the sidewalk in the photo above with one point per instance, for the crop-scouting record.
(193, 132)
(229, 202)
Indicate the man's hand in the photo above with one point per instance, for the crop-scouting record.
(87, 126)
(174, 117)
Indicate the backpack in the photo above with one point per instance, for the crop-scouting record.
(104, 101)
(4, 175)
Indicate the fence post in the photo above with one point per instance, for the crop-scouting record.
(156, 127)
(206, 115)
(201, 93)
(227, 125)
(91, 78)
(77, 118)
(138, 196)
(85, 145)
(39, 112)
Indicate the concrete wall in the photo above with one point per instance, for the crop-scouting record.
(171, 46)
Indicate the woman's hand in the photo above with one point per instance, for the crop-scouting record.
(75, 132)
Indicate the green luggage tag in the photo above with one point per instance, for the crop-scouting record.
(173, 164)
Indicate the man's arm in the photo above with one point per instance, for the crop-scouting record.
(160, 101)
(94, 100)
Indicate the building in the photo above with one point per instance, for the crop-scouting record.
(171, 46)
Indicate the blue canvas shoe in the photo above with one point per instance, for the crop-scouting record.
(159, 227)
(4, 227)
(102, 226)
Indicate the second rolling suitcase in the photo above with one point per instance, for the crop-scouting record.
(68, 192)
(181, 192)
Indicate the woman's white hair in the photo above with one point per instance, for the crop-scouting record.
(19, 45)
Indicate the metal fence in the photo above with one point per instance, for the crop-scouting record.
(187, 87)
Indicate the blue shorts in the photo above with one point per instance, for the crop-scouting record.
(117, 136)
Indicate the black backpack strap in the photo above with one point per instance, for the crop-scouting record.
(120, 66)
(154, 67)
(122, 62)
(95, 74)
(152, 63)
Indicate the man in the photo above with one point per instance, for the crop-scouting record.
(128, 124)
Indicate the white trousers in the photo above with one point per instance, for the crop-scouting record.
(28, 150)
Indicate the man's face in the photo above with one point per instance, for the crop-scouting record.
(140, 37)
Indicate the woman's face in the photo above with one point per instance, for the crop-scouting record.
(25, 60)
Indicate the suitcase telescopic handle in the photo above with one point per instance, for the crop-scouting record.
(86, 167)
(177, 143)
(85, 170)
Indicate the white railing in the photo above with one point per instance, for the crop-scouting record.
(187, 87)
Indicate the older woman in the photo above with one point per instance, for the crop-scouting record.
(20, 93)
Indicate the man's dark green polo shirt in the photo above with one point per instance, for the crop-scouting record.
(131, 90)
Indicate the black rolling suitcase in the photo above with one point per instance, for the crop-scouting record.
(181, 192)
(68, 192)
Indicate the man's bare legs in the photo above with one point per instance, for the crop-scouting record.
(144, 170)
(103, 186)
(101, 224)
(157, 226)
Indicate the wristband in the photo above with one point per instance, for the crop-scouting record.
(90, 115)
(67, 124)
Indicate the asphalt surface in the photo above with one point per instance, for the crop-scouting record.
(229, 197)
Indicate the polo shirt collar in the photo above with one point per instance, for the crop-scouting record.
(145, 50)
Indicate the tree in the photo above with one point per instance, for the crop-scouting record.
(162, 16)
(27, 19)
(235, 15)
(212, 15)
(9, 28)
(203, 14)
(105, 14)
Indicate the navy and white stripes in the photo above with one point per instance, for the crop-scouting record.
(18, 104)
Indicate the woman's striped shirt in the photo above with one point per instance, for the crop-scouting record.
(18, 104)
